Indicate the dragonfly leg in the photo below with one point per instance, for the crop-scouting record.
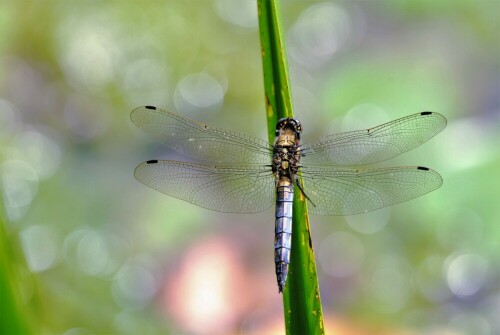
(297, 181)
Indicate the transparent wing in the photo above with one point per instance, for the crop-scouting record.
(200, 141)
(375, 144)
(243, 189)
(346, 192)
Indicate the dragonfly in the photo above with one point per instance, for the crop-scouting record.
(238, 173)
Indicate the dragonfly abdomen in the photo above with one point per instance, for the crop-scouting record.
(283, 229)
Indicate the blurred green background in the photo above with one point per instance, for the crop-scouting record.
(86, 249)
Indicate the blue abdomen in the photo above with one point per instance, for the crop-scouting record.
(283, 230)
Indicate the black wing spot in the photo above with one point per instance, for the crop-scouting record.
(153, 161)
(422, 168)
(426, 113)
(151, 107)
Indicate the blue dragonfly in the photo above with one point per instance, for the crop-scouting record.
(237, 173)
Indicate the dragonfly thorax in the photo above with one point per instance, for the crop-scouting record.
(286, 154)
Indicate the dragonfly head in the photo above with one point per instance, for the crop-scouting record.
(287, 125)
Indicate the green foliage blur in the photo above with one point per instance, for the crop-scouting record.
(86, 249)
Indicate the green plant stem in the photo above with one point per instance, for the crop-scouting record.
(13, 315)
(274, 63)
(301, 297)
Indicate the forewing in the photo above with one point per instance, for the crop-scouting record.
(375, 144)
(346, 192)
(197, 140)
(243, 189)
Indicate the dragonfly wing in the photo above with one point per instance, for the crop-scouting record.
(197, 140)
(375, 144)
(243, 189)
(346, 191)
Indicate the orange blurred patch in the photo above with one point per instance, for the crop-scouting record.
(204, 296)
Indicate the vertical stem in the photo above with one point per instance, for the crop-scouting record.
(301, 297)
(274, 63)
(13, 311)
